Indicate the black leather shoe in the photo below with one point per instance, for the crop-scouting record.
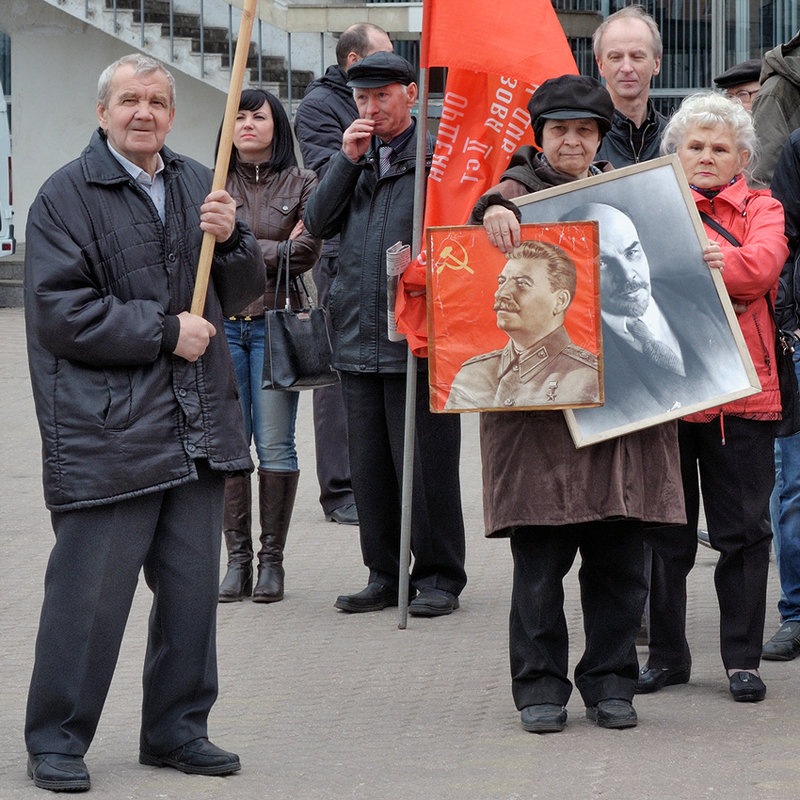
(344, 515)
(372, 598)
(544, 718)
(785, 644)
(198, 757)
(58, 772)
(613, 713)
(651, 679)
(433, 603)
(747, 688)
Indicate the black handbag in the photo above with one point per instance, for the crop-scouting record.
(789, 423)
(297, 346)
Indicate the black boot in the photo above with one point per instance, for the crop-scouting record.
(238, 581)
(276, 493)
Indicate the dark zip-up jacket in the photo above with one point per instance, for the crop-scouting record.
(372, 214)
(325, 112)
(618, 144)
(119, 415)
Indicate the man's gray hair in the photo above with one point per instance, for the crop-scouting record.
(142, 65)
(629, 12)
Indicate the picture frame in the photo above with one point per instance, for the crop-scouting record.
(535, 343)
(690, 296)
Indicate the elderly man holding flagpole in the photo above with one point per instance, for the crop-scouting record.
(139, 416)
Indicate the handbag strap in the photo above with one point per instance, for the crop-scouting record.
(297, 282)
(712, 223)
(285, 251)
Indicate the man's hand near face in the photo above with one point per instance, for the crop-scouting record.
(356, 139)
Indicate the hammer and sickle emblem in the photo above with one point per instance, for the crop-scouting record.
(448, 257)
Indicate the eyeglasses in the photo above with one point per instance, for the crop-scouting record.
(743, 94)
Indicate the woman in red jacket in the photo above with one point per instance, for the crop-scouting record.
(732, 444)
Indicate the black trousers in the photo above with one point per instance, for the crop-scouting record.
(375, 418)
(613, 591)
(89, 586)
(736, 480)
(330, 420)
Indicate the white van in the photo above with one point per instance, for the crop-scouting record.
(7, 243)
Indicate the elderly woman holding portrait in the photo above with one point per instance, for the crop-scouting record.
(552, 500)
(732, 445)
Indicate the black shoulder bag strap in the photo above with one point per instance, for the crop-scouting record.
(712, 223)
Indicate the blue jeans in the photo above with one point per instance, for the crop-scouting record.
(786, 518)
(269, 415)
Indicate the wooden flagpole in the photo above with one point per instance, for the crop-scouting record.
(224, 151)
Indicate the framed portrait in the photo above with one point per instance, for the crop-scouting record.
(671, 342)
(514, 332)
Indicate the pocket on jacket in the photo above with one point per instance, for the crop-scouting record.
(286, 208)
(95, 397)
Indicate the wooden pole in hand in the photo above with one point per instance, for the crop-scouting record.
(224, 151)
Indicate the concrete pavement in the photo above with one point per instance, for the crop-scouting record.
(322, 705)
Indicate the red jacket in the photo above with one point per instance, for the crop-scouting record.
(755, 218)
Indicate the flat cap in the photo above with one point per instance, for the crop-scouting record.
(571, 97)
(380, 69)
(738, 74)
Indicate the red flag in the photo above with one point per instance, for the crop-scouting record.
(496, 61)
(519, 38)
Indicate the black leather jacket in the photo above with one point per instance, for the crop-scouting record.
(786, 188)
(372, 214)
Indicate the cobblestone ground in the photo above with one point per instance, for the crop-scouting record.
(325, 706)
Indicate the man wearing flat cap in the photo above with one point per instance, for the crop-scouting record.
(741, 81)
(367, 196)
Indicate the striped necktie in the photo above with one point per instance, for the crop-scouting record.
(384, 154)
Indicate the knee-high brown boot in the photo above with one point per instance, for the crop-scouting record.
(238, 581)
(276, 493)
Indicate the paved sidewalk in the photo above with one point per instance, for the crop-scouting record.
(325, 706)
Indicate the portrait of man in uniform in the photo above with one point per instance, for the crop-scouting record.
(539, 366)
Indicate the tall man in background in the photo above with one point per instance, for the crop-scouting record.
(627, 48)
(324, 113)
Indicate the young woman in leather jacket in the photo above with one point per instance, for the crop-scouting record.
(270, 192)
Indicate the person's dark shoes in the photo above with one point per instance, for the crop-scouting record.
(237, 583)
(432, 602)
(747, 688)
(651, 679)
(374, 597)
(544, 718)
(344, 515)
(58, 772)
(785, 644)
(198, 757)
(703, 538)
(613, 713)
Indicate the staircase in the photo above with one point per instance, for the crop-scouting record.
(186, 42)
